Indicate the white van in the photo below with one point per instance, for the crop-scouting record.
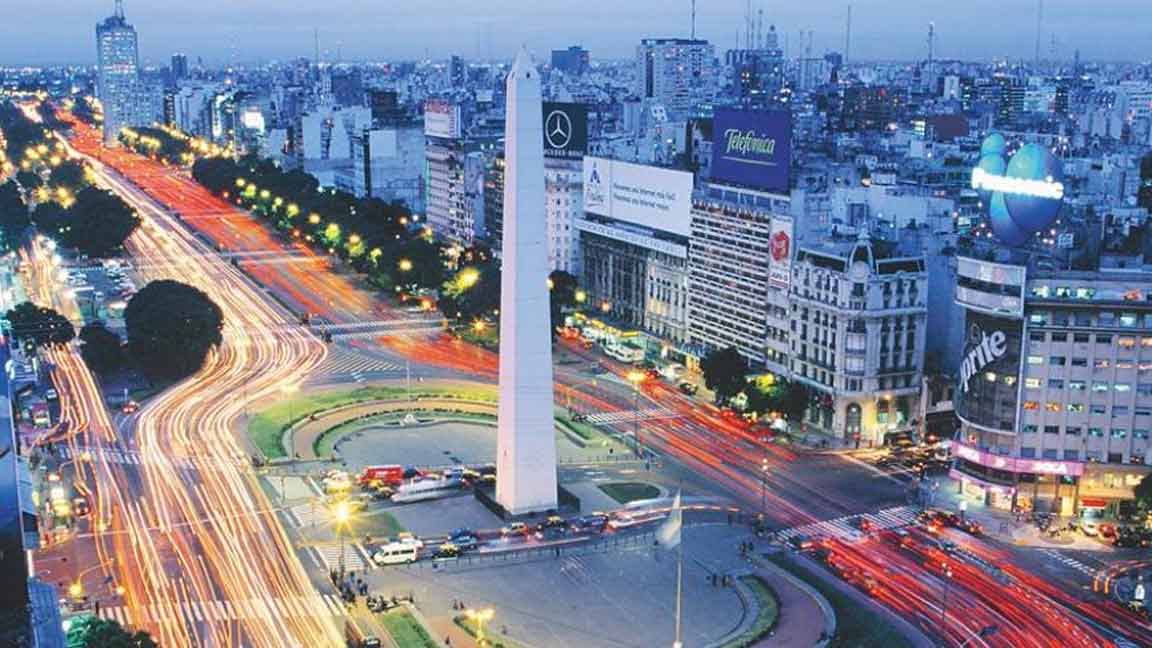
(397, 553)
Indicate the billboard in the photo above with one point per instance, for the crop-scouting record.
(752, 148)
(780, 249)
(652, 197)
(441, 119)
(989, 370)
(1024, 191)
(565, 130)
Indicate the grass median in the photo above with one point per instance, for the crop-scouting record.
(405, 630)
(856, 625)
(625, 492)
(767, 614)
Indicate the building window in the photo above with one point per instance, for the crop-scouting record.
(1038, 319)
(1119, 433)
(1075, 407)
(1051, 453)
(1031, 405)
(1126, 342)
(1051, 429)
(1099, 387)
(1028, 453)
(1035, 360)
(1122, 387)
(1055, 383)
(1056, 361)
(1053, 406)
(1096, 432)
(1103, 339)
(1059, 337)
(1031, 383)
(1077, 385)
(1128, 320)
(1072, 430)
(1081, 338)
(1037, 336)
(1146, 341)
(1030, 429)
(1102, 363)
(1099, 410)
(1141, 434)
(1079, 362)
(1071, 455)
(1119, 411)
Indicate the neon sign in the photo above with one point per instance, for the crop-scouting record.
(1045, 188)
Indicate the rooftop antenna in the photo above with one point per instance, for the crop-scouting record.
(931, 43)
(760, 30)
(693, 19)
(119, 12)
(1039, 27)
(748, 25)
(316, 46)
(848, 34)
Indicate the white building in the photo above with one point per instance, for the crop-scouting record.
(117, 74)
(564, 191)
(676, 72)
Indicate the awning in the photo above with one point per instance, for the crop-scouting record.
(1093, 502)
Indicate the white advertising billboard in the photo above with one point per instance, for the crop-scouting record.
(441, 119)
(780, 249)
(659, 199)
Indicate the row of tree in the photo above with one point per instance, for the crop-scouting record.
(94, 221)
(726, 374)
(169, 147)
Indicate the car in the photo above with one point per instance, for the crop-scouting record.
(370, 642)
(461, 531)
(1089, 528)
(688, 388)
(901, 538)
(652, 373)
(396, 553)
(550, 533)
(130, 407)
(594, 522)
(622, 520)
(514, 529)
(447, 550)
(1107, 530)
(971, 527)
(51, 394)
(863, 524)
(80, 506)
(466, 543)
(407, 537)
(802, 542)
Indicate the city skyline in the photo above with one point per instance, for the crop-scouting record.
(261, 31)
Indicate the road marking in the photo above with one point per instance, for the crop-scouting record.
(879, 473)
(314, 605)
(628, 416)
(841, 527)
(1069, 562)
(355, 557)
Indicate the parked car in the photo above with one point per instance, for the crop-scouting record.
(447, 550)
(514, 529)
(688, 388)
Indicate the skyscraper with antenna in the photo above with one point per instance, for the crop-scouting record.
(848, 34)
(117, 73)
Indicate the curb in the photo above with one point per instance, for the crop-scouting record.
(825, 606)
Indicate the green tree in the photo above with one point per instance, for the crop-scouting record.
(725, 372)
(39, 326)
(28, 180)
(98, 223)
(426, 269)
(171, 328)
(102, 350)
(561, 296)
(69, 175)
(14, 218)
(472, 293)
(91, 632)
(1143, 493)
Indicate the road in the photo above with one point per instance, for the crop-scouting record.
(791, 489)
(180, 527)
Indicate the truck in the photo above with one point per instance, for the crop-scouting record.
(427, 489)
(390, 475)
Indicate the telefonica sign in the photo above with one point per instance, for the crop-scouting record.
(987, 349)
(752, 148)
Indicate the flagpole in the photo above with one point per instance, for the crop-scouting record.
(679, 590)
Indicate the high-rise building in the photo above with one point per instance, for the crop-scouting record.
(179, 67)
(677, 73)
(573, 60)
(117, 72)
(1054, 395)
(457, 72)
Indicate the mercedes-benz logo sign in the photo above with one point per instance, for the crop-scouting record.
(558, 129)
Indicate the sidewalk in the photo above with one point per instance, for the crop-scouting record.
(805, 617)
(1002, 525)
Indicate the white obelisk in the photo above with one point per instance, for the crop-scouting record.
(526, 443)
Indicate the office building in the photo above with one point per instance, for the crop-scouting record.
(179, 68)
(454, 193)
(858, 312)
(117, 73)
(731, 289)
(1055, 387)
(573, 60)
(677, 73)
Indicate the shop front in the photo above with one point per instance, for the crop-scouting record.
(1012, 483)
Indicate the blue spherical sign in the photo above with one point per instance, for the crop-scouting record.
(1024, 194)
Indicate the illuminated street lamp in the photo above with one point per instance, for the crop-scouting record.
(479, 326)
(469, 277)
(480, 617)
(314, 218)
(342, 514)
(581, 296)
(605, 306)
(288, 390)
(405, 265)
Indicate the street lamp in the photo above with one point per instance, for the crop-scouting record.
(287, 391)
(636, 377)
(480, 617)
(763, 488)
(405, 265)
(342, 514)
(944, 603)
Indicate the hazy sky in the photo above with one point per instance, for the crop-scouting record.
(56, 31)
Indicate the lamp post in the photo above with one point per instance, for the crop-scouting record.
(480, 617)
(287, 391)
(763, 488)
(342, 515)
(944, 602)
(636, 377)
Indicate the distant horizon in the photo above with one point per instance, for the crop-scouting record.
(264, 31)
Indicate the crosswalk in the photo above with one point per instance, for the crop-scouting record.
(309, 514)
(1069, 562)
(842, 528)
(627, 416)
(355, 557)
(342, 361)
(315, 605)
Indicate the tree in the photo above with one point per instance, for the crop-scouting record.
(725, 372)
(472, 293)
(91, 632)
(39, 326)
(426, 266)
(102, 350)
(1143, 493)
(98, 223)
(14, 219)
(171, 328)
(69, 175)
(561, 296)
